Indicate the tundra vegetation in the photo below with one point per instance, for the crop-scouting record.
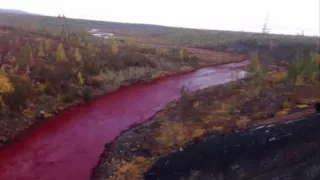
(265, 95)
(45, 72)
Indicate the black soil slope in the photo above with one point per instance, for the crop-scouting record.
(317, 106)
(289, 151)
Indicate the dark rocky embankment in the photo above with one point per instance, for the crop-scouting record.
(277, 151)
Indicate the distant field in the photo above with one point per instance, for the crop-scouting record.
(148, 34)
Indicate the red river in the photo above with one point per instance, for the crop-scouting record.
(68, 146)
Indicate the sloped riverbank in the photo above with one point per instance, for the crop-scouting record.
(217, 111)
(68, 145)
(285, 151)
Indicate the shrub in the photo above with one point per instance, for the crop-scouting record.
(17, 99)
(5, 85)
(70, 96)
(91, 68)
(147, 50)
(80, 78)
(303, 68)
(256, 69)
(87, 94)
(97, 81)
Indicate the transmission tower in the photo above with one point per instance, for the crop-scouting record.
(265, 29)
(266, 32)
(64, 27)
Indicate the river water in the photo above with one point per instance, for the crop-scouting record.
(69, 145)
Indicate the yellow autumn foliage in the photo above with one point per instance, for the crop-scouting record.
(114, 47)
(80, 78)
(5, 85)
(60, 54)
(282, 112)
(181, 54)
(77, 55)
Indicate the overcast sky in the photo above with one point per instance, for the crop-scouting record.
(285, 16)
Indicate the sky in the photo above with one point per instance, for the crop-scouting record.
(285, 16)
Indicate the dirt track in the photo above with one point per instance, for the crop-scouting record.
(287, 151)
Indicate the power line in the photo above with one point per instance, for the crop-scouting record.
(265, 29)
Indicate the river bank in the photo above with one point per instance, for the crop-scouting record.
(42, 86)
(285, 150)
(215, 110)
(96, 94)
(68, 145)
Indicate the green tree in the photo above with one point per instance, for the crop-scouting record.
(256, 69)
(296, 68)
(311, 67)
(60, 54)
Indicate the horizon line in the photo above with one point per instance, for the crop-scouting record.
(162, 25)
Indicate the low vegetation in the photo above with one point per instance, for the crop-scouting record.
(41, 74)
(148, 34)
(265, 95)
(43, 71)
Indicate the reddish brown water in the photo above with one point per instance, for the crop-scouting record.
(68, 146)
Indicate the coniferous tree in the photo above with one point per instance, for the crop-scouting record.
(90, 47)
(181, 54)
(77, 55)
(80, 78)
(295, 69)
(41, 49)
(60, 54)
(256, 69)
